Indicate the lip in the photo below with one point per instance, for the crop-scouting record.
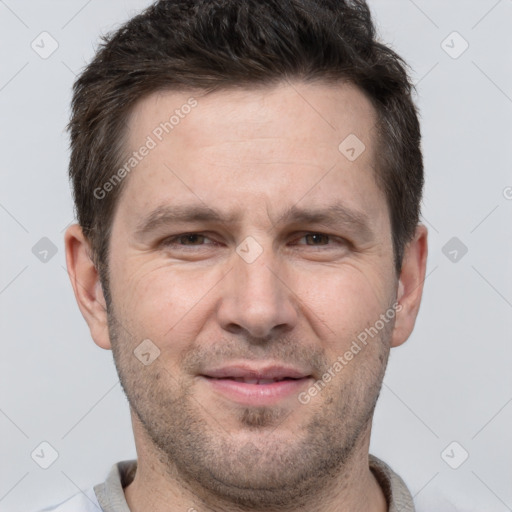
(221, 381)
(256, 372)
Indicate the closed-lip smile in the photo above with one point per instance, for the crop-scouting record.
(251, 384)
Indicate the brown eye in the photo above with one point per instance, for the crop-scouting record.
(187, 240)
(191, 239)
(316, 239)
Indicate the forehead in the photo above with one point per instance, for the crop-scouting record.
(287, 141)
(319, 112)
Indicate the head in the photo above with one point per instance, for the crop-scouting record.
(247, 179)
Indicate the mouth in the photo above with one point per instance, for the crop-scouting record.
(257, 380)
(250, 385)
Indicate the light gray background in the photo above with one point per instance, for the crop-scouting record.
(450, 382)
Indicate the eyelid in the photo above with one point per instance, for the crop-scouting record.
(170, 240)
(332, 239)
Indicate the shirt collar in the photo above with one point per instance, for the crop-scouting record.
(111, 497)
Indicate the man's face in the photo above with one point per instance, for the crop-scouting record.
(274, 255)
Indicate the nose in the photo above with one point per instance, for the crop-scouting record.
(256, 299)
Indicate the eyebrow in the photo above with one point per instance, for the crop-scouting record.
(333, 215)
(167, 214)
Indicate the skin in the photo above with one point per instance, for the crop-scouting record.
(252, 155)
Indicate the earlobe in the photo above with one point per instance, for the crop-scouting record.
(410, 285)
(86, 285)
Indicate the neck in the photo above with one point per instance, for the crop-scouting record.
(161, 488)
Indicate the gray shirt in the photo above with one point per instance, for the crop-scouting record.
(109, 495)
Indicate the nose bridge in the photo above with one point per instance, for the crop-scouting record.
(260, 280)
(256, 299)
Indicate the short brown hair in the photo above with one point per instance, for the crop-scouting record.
(215, 44)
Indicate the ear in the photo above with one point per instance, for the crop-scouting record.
(410, 286)
(86, 284)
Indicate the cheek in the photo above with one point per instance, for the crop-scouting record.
(168, 306)
(342, 303)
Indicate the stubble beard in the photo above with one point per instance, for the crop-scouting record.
(259, 465)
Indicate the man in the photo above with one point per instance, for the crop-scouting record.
(247, 178)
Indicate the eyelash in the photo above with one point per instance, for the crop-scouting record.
(173, 239)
